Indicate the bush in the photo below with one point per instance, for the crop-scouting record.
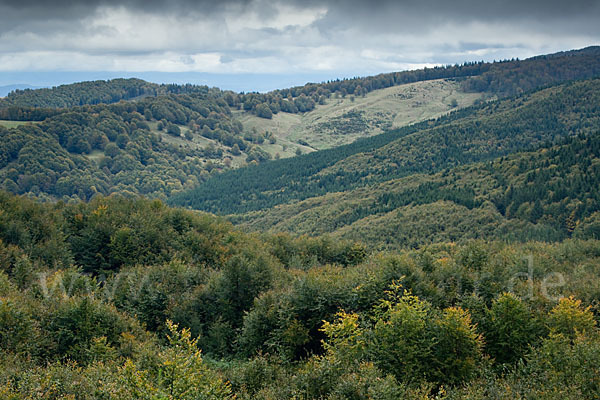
(183, 372)
(401, 345)
(457, 349)
(173, 130)
(77, 325)
(263, 111)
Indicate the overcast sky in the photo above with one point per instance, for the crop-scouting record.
(304, 38)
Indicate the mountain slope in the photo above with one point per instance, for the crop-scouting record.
(466, 136)
(120, 148)
(169, 138)
(549, 194)
(341, 120)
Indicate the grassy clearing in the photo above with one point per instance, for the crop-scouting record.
(339, 121)
(14, 124)
(198, 142)
(343, 120)
(96, 155)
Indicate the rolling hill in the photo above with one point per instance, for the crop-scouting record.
(550, 194)
(137, 138)
(342, 120)
(522, 168)
(457, 254)
(469, 135)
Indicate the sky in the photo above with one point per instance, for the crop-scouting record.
(264, 44)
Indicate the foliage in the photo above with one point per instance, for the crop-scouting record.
(413, 343)
(481, 133)
(569, 318)
(107, 136)
(510, 328)
(183, 374)
(284, 316)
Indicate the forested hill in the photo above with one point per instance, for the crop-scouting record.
(93, 92)
(82, 93)
(515, 77)
(466, 136)
(550, 194)
(152, 147)
(503, 78)
(168, 138)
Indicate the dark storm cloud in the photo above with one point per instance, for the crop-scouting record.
(478, 9)
(68, 9)
(286, 35)
(81, 7)
(405, 15)
(37, 15)
(375, 15)
(359, 9)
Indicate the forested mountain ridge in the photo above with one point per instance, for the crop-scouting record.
(82, 93)
(469, 135)
(168, 138)
(143, 147)
(508, 77)
(550, 194)
(495, 129)
(515, 77)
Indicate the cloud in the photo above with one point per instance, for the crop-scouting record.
(278, 36)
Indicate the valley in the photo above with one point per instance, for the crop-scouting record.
(431, 234)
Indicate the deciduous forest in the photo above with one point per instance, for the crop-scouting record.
(155, 245)
(121, 298)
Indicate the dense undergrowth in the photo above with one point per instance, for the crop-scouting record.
(88, 292)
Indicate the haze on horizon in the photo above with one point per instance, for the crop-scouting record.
(264, 44)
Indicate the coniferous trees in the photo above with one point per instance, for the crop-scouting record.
(284, 315)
